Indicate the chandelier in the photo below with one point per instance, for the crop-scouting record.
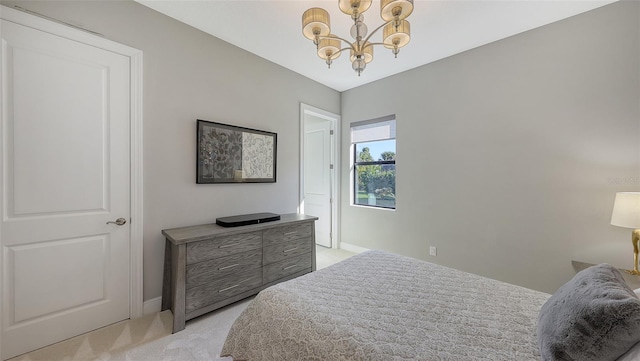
(395, 34)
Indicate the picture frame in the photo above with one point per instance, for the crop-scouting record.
(232, 154)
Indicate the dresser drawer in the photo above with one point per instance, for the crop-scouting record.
(206, 271)
(223, 246)
(284, 268)
(220, 289)
(287, 233)
(286, 250)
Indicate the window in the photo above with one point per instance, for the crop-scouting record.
(374, 162)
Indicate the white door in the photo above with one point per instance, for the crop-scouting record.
(317, 175)
(65, 174)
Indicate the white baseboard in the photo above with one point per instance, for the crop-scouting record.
(352, 248)
(152, 305)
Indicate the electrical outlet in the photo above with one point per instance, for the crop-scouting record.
(433, 251)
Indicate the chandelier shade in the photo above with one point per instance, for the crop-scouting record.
(396, 31)
(395, 9)
(396, 36)
(315, 22)
(329, 49)
(351, 7)
(366, 52)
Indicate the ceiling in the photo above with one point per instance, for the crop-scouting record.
(272, 30)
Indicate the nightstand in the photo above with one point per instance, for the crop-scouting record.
(632, 281)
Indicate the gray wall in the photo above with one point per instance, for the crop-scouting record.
(510, 154)
(189, 75)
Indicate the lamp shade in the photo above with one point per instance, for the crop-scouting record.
(329, 48)
(626, 210)
(399, 36)
(390, 9)
(315, 21)
(350, 6)
(366, 51)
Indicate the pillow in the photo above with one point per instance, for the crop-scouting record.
(593, 317)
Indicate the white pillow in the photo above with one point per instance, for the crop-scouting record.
(637, 291)
(634, 353)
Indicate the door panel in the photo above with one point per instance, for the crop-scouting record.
(45, 170)
(36, 296)
(317, 176)
(66, 158)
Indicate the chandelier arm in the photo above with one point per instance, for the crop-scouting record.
(378, 28)
(332, 36)
(372, 44)
(340, 51)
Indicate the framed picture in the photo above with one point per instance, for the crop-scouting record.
(230, 154)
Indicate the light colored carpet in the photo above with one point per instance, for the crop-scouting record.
(149, 338)
(327, 256)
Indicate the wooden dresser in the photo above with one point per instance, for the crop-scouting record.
(207, 266)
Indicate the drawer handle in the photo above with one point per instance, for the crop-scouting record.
(289, 267)
(229, 245)
(289, 250)
(230, 266)
(289, 233)
(228, 288)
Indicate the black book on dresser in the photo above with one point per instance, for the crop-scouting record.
(209, 266)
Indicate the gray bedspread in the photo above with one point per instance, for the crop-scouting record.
(381, 306)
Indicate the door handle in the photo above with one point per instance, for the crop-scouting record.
(119, 221)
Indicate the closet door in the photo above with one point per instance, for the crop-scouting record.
(65, 163)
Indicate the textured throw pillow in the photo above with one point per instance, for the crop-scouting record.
(593, 317)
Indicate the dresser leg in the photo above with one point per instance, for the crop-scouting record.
(313, 247)
(178, 285)
(166, 277)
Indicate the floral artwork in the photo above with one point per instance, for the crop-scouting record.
(229, 154)
(257, 156)
(222, 152)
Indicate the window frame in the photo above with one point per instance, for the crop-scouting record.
(355, 163)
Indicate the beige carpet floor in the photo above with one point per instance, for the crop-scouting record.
(149, 338)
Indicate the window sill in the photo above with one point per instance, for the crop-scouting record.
(372, 207)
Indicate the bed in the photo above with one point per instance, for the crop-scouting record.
(382, 306)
